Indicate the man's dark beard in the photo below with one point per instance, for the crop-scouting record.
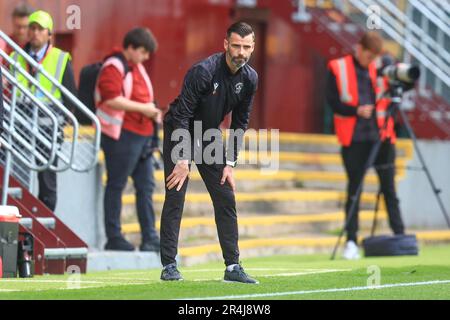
(235, 63)
(240, 64)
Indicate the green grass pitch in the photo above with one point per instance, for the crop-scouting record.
(281, 277)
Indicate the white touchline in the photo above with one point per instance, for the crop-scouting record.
(48, 281)
(126, 279)
(289, 293)
(293, 274)
(75, 281)
(124, 273)
(8, 290)
(305, 273)
(265, 269)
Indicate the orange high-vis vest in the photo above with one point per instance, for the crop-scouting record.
(111, 120)
(345, 73)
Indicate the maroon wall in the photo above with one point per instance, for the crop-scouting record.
(290, 62)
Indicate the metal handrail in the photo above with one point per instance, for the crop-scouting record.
(440, 12)
(13, 143)
(411, 48)
(17, 67)
(51, 145)
(444, 5)
(423, 36)
(426, 11)
(417, 42)
(74, 100)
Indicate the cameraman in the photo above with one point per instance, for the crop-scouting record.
(355, 94)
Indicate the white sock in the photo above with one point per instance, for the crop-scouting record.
(230, 267)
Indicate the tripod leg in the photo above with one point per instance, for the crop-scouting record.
(375, 214)
(370, 161)
(436, 191)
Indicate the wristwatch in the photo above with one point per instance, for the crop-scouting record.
(231, 163)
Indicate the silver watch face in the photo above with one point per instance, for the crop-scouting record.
(231, 164)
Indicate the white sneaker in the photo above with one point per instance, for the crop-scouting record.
(351, 251)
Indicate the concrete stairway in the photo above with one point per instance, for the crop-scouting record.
(297, 209)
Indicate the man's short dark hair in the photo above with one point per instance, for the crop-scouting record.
(22, 11)
(140, 37)
(241, 28)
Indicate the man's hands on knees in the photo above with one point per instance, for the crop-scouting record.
(179, 175)
(228, 176)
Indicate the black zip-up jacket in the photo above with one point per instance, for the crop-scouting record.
(210, 91)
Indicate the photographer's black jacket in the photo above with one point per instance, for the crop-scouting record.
(366, 130)
(210, 91)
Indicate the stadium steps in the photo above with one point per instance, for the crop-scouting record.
(304, 198)
(314, 179)
(252, 226)
(290, 201)
(305, 243)
(253, 179)
(55, 246)
(298, 159)
(49, 223)
(293, 143)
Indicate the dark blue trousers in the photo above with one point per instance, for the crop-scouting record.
(123, 159)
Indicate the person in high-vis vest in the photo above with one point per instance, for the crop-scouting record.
(126, 110)
(58, 64)
(356, 94)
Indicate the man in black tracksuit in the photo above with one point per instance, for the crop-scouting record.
(214, 87)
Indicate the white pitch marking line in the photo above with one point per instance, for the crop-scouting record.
(130, 273)
(125, 279)
(303, 273)
(8, 290)
(74, 288)
(72, 281)
(136, 281)
(204, 280)
(48, 281)
(265, 269)
(290, 293)
(99, 285)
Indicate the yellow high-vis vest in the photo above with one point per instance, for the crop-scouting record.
(54, 63)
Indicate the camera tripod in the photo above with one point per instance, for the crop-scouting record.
(396, 93)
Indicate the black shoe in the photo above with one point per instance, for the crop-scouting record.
(119, 244)
(238, 275)
(171, 273)
(150, 246)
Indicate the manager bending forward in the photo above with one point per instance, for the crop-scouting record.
(214, 87)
